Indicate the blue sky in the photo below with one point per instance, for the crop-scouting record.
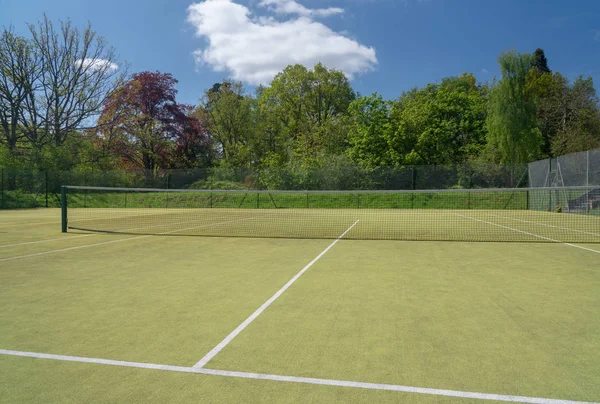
(386, 46)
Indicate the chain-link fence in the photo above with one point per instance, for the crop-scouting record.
(577, 169)
(32, 189)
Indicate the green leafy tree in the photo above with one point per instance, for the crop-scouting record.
(567, 113)
(228, 114)
(579, 117)
(369, 130)
(511, 121)
(310, 106)
(440, 124)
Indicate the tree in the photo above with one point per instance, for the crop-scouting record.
(311, 106)
(511, 121)
(369, 130)
(193, 147)
(440, 124)
(142, 123)
(579, 117)
(20, 69)
(77, 72)
(540, 63)
(227, 113)
(567, 113)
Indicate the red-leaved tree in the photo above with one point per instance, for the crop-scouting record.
(143, 124)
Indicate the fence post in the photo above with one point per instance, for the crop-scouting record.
(414, 178)
(63, 206)
(587, 170)
(46, 183)
(2, 189)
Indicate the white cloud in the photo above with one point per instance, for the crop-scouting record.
(292, 7)
(485, 71)
(255, 49)
(97, 64)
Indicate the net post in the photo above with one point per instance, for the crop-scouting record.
(211, 200)
(469, 200)
(307, 200)
(63, 206)
(257, 200)
(527, 198)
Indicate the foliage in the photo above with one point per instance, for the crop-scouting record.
(540, 63)
(370, 129)
(511, 121)
(567, 113)
(308, 107)
(53, 83)
(227, 114)
(440, 124)
(142, 121)
(66, 105)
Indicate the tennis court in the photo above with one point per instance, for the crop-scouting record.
(323, 305)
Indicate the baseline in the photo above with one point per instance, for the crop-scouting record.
(202, 362)
(294, 379)
(529, 234)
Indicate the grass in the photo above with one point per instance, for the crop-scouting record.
(506, 318)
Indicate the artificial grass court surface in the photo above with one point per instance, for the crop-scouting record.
(514, 319)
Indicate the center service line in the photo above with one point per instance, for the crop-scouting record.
(266, 304)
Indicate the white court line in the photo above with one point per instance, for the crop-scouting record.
(95, 234)
(294, 379)
(45, 241)
(266, 304)
(548, 225)
(530, 234)
(117, 241)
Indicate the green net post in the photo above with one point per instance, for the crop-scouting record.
(63, 204)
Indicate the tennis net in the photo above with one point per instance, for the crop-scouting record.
(492, 215)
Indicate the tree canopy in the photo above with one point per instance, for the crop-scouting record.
(67, 102)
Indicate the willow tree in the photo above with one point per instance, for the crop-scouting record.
(511, 122)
